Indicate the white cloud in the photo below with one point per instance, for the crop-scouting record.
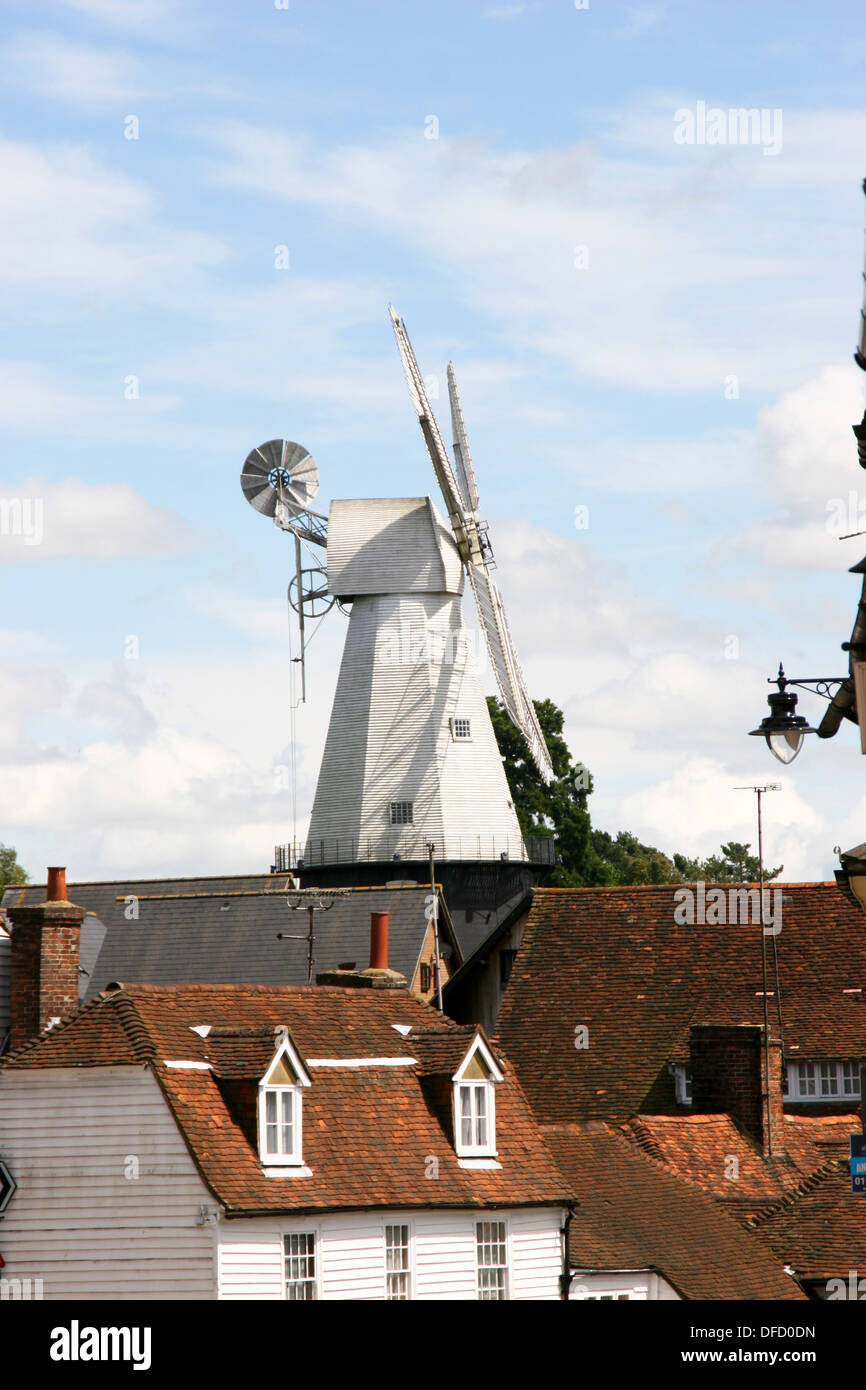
(507, 228)
(42, 520)
(70, 72)
(699, 805)
(73, 226)
(146, 16)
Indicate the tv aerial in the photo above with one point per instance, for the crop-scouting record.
(279, 479)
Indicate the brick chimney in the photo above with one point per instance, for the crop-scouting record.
(378, 975)
(44, 960)
(729, 1077)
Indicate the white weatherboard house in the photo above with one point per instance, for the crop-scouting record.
(246, 1142)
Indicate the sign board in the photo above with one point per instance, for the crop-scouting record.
(858, 1163)
(7, 1186)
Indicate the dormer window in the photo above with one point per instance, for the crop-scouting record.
(280, 1109)
(475, 1102)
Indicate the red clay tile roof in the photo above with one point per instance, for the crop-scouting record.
(697, 1148)
(369, 1133)
(616, 960)
(633, 1215)
(820, 1228)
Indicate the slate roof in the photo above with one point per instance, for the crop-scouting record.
(224, 930)
(369, 1131)
(632, 1215)
(820, 1227)
(615, 960)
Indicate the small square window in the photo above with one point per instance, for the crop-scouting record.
(461, 730)
(851, 1078)
(829, 1080)
(402, 812)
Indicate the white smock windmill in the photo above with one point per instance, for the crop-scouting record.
(411, 758)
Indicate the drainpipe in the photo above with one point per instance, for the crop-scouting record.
(565, 1278)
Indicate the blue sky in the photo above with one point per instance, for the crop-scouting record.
(658, 331)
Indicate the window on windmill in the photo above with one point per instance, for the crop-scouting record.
(461, 730)
(402, 812)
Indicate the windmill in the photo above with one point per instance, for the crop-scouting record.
(410, 758)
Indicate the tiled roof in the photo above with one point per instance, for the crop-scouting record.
(632, 1216)
(224, 930)
(440, 1051)
(698, 1148)
(369, 1131)
(616, 960)
(820, 1228)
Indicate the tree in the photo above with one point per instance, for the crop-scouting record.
(587, 857)
(11, 871)
(733, 865)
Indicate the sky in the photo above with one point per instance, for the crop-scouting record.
(651, 308)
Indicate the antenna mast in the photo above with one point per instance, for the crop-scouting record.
(759, 792)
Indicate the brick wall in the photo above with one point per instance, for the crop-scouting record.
(728, 1077)
(44, 966)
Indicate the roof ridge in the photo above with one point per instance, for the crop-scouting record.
(132, 1023)
(803, 1188)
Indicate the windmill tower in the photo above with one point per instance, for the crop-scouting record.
(411, 758)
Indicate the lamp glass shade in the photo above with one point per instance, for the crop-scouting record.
(785, 746)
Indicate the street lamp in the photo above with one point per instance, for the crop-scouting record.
(783, 729)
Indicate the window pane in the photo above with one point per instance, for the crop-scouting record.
(829, 1081)
(481, 1116)
(271, 1143)
(286, 1143)
(466, 1116)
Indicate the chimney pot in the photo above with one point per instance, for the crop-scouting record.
(378, 941)
(55, 889)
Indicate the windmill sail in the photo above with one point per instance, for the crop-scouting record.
(461, 501)
(464, 533)
(506, 668)
(462, 456)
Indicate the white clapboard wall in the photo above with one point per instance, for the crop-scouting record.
(350, 1254)
(77, 1221)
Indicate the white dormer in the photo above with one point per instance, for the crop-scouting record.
(475, 1102)
(280, 1109)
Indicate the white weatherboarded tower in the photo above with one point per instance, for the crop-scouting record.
(410, 759)
(411, 756)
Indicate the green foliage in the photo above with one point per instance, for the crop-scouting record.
(11, 871)
(733, 865)
(587, 857)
